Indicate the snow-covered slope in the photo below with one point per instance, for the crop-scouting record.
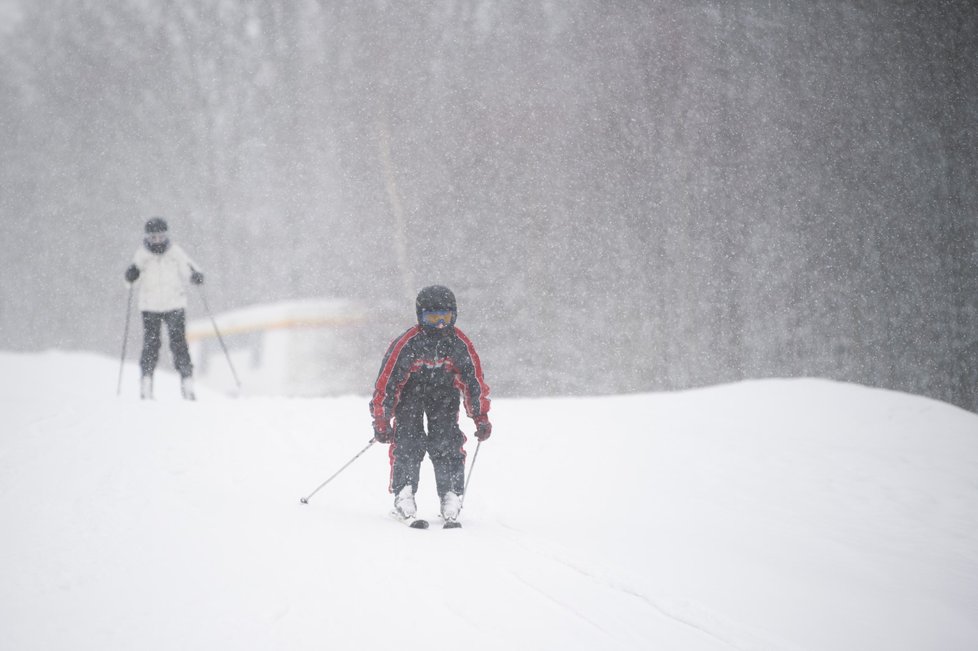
(777, 514)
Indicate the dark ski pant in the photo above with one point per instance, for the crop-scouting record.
(175, 326)
(442, 442)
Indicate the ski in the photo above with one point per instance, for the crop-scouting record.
(420, 523)
(413, 522)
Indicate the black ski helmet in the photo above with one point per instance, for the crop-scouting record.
(156, 225)
(435, 297)
(156, 240)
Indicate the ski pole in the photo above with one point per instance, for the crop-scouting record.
(125, 338)
(305, 500)
(203, 297)
(465, 489)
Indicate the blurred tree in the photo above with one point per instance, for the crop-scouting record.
(626, 196)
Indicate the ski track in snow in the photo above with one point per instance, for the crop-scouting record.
(696, 617)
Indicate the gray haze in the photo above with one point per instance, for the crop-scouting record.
(625, 196)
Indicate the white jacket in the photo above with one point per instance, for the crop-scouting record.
(163, 278)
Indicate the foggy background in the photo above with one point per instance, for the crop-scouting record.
(625, 196)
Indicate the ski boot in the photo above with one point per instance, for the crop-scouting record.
(146, 387)
(404, 504)
(187, 388)
(451, 504)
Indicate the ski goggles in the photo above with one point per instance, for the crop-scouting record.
(156, 238)
(437, 318)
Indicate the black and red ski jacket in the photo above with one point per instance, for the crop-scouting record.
(436, 358)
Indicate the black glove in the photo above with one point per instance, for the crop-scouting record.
(383, 433)
(483, 430)
(196, 277)
(132, 273)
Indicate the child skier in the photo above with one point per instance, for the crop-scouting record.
(163, 268)
(424, 372)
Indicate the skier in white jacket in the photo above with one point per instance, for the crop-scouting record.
(162, 270)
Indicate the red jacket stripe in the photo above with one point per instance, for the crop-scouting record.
(380, 390)
(477, 365)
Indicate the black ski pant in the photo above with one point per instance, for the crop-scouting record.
(443, 441)
(176, 327)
